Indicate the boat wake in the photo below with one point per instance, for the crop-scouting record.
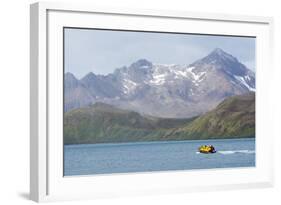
(226, 152)
(237, 151)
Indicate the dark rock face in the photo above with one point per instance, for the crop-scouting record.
(173, 91)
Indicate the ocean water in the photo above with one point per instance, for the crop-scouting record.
(156, 156)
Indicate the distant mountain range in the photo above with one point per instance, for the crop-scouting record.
(103, 123)
(160, 90)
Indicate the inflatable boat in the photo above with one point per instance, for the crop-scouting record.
(207, 149)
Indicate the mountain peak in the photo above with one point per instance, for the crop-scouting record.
(69, 75)
(218, 53)
(89, 76)
(219, 57)
(142, 63)
(70, 81)
(218, 50)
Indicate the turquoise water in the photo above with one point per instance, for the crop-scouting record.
(156, 156)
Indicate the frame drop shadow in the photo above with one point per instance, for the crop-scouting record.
(24, 195)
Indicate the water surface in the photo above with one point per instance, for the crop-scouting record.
(156, 156)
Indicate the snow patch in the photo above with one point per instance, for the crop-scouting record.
(180, 73)
(144, 67)
(163, 72)
(243, 81)
(247, 77)
(128, 86)
(197, 77)
(191, 91)
(158, 79)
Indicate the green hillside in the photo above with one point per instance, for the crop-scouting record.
(233, 118)
(102, 123)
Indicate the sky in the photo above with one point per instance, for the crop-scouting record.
(102, 51)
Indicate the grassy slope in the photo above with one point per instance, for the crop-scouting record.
(104, 123)
(233, 118)
(100, 123)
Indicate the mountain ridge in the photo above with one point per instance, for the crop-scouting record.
(175, 91)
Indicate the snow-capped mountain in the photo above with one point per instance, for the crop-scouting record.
(176, 91)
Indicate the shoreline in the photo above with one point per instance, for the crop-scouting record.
(158, 142)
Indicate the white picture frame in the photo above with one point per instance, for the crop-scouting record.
(46, 178)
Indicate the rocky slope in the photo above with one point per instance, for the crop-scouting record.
(169, 91)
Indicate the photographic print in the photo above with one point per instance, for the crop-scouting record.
(142, 101)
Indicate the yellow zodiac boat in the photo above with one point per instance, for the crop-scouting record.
(207, 149)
